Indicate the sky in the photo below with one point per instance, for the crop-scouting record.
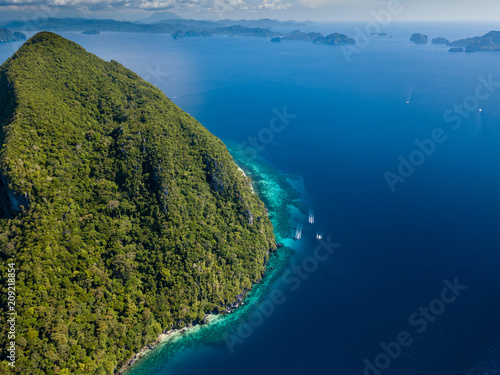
(302, 10)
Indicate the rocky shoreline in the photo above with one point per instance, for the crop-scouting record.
(230, 307)
(162, 337)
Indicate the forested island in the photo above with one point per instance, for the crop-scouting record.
(440, 41)
(123, 215)
(91, 32)
(487, 42)
(419, 38)
(335, 39)
(236, 30)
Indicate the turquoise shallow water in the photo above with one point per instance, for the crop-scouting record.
(227, 331)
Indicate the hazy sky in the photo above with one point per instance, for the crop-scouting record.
(320, 10)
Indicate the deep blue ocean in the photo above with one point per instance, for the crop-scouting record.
(419, 256)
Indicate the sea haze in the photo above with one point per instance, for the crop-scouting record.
(347, 124)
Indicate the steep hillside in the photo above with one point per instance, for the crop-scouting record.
(123, 215)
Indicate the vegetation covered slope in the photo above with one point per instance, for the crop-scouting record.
(487, 42)
(124, 216)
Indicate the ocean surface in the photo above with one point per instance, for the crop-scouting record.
(406, 278)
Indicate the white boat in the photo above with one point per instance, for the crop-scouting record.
(298, 232)
(311, 217)
(319, 236)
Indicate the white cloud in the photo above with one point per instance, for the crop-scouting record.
(198, 5)
(273, 5)
(314, 3)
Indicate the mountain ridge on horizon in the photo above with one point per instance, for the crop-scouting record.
(65, 22)
(160, 16)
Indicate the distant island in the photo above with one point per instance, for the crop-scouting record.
(91, 32)
(335, 39)
(226, 30)
(440, 41)
(9, 36)
(419, 38)
(275, 37)
(186, 33)
(487, 42)
(316, 38)
(300, 35)
(170, 23)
